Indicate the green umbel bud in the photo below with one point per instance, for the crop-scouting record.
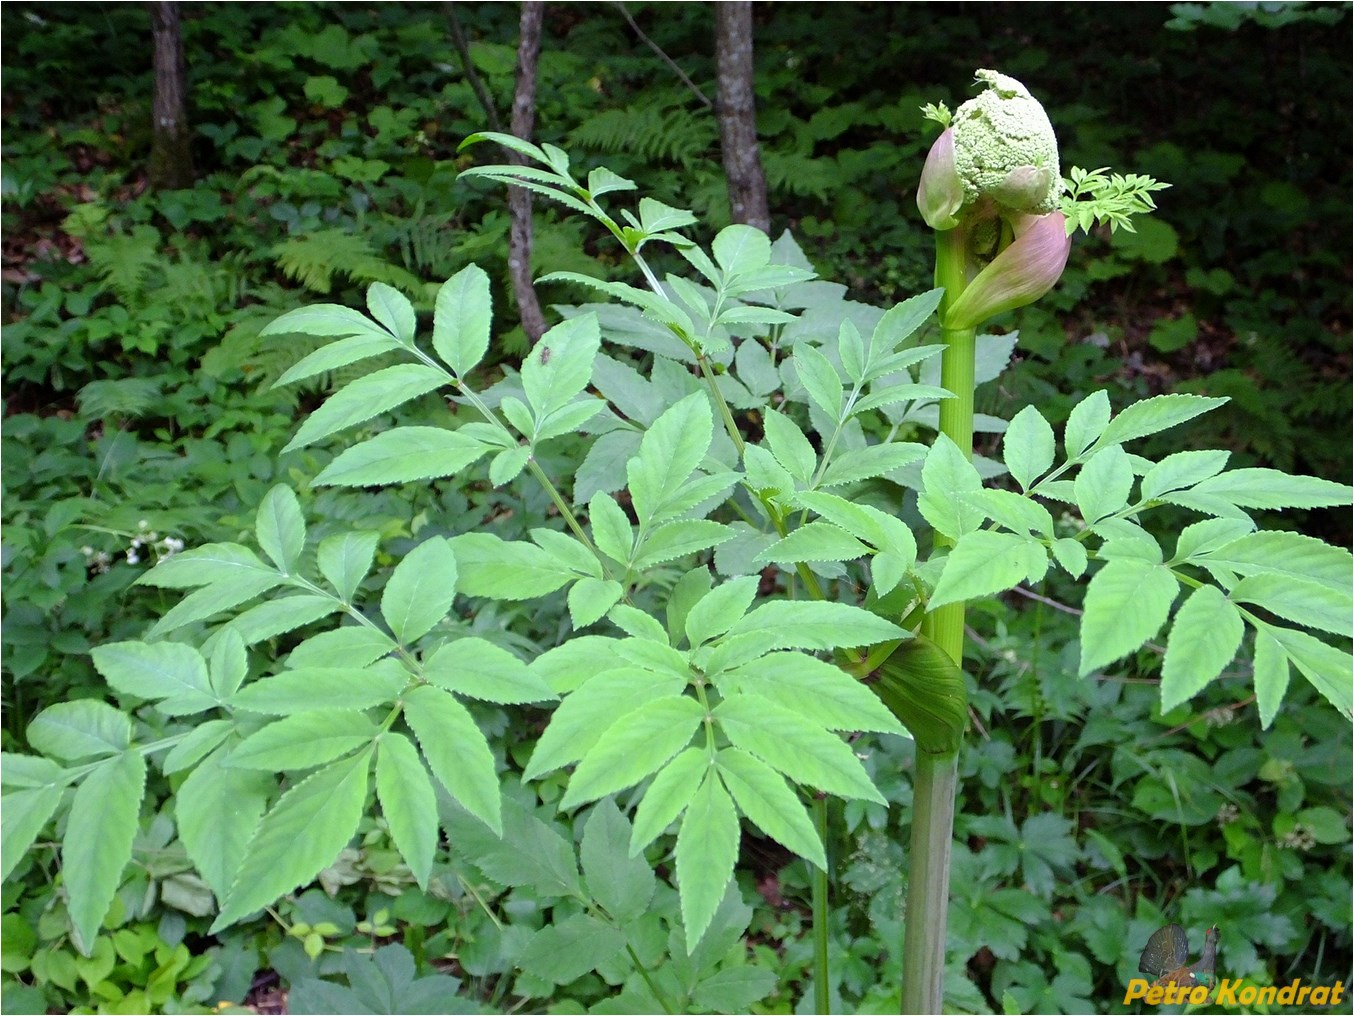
(1005, 149)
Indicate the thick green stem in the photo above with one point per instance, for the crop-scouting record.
(937, 776)
(822, 997)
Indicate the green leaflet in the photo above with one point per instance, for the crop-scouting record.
(304, 740)
(275, 617)
(299, 837)
(818, 691)
(1028, 447)
(408, 803)
(564, 951)
(764, 797)
(984, 562)
(1310, 604)
(345, 559)
(482, 670)
(1204, 638)
(621, 883)
(102, 824)
(667, 796)
(280, 528)
(560, 364)
(669, 452)
(393, 310)
(462, 316)
(420, 590)
(808, 624)
(1103, 484)
(488, 566)
(402, 455)
(354, 646)
(170, 672)
(216, 811)
(456, 751)
(634, 746)
(795, 746)
(1127, 602)
(76, 730)
(814, 541)
(24, 814)
(307, 689)
(707, 847)
(366, 397)
(719, 609)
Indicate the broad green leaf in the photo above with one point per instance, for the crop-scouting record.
(603, 181)
(611, 529)
(984, 562)
(795, 746)
(456, 751)
(508, 141)
(622, 884)
(393, 310)
(1289, 554)
(299, 838)
(633, 621)
(851, 351)
(734, 988)
(901, 320)
(656, 217)
(808, 624)
(789, 445)
(880, 530)
(1028, 447)
(1086, 423)
(637, 744)
(229, 664)
(1150, 416)
(819, 379)
(368, 396)
(590, 599)
(1270, 672)
(678, 539)
(569, 419)
(1271, 489)
(1071, 554)
(763, 796)
(488, 566)
(402, 455)
(354, 646)
(707, 847)
(565, 951)
(196, 745)
(588, 712)
(216, 811)
(689, 590)
(462, 316)
(560, 364)
(1324, 666)
(669, 452)
(222, 595)
(887, 571)
(817, 690)
(568, 551)
(80, 729)
(304, 740)
(1310, 604)
(946, 476)
(207, 565)
(305, 690)
(508, 464)
(23, 815)
(1014, 511)
(420, 590)
(322, 319)
(1204, 638)
(105, 814)
(345, 558)
(1127, 602)
(280, 527)
(603, 468)
(814, 541)
(1103, 484)
(755, 369)
(667, 796)
(1207, 536)
(1180, 471)
(30, 772)
(528, 853)
(904, 391)
(720, 608)
(168, 671)
(274, 617)
(699, 490)
(338, 354)
(740, 248)
(482, 670)
(408, 803)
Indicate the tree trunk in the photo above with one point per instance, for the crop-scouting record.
(519, 198)
(737, 111)
(171, 156)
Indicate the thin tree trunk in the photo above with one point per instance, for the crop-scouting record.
(737, 111)
(519, 199)
(171, 156)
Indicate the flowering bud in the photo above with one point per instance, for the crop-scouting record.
(941, 193)
(1019, 275)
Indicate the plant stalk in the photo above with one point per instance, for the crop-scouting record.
(822, 996)
(937, 776)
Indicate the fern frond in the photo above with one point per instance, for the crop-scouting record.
(650, 132)
(125, 261)
(129, 396)
(315, 259)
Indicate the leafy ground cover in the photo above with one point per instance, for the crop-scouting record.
(140, 418)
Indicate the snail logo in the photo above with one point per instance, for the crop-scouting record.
(1177, 981)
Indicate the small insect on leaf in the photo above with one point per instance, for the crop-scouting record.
(545, 355)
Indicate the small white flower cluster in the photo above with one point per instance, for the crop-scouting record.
(146, 539)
